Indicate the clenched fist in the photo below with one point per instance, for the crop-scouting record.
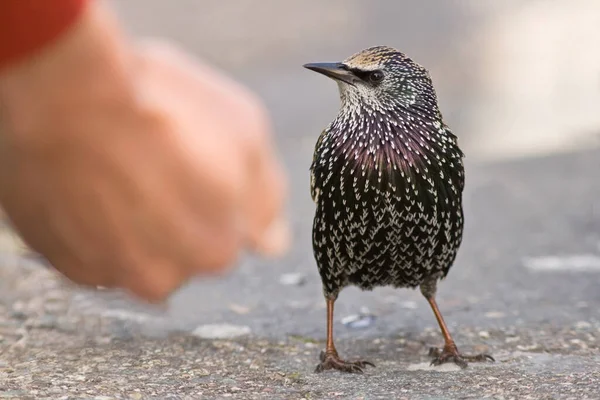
(134, 166)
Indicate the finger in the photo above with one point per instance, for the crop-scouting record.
(80, 272)
(211, 246)
(267, 228)
(265, 192)
(154, 280)
(44, 239)
(248, 169)
(187, 226)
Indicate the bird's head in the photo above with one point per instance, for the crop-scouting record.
(380, 78)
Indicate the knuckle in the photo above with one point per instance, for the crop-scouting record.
(253, 116)
(156, 282)
(219, 258)
(160, 47)
(222, 261)
(259, 121)
(82, 272)
(148, 293)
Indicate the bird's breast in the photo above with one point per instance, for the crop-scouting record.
(386, 165)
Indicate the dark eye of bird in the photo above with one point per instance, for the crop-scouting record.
(375, 76)
(368, 76)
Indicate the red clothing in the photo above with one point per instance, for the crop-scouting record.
(28, 25)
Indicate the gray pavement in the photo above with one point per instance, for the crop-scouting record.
(525, 286)
(541, 323)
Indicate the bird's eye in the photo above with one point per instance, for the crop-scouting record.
(376, 76)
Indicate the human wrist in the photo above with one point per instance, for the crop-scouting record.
(90, 61)
(28, 25)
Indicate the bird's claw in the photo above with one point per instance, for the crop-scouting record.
(333, 361)
(451, 354)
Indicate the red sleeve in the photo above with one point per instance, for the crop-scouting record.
(28, 25)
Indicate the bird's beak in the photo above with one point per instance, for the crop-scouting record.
(333, 70)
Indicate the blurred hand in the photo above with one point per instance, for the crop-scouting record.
(135, 167)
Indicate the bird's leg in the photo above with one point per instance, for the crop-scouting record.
(450, 352)
(329, 358)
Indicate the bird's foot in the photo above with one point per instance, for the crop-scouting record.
(333, 361)
(451, 354)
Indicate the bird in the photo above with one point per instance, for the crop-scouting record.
(387, 178)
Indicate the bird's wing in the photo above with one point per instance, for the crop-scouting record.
(458, 170)
(314, 191)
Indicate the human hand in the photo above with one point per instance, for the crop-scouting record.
(135, 167)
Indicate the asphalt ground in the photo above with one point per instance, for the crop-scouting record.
(525, 286)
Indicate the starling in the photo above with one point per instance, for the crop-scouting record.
(387, 178)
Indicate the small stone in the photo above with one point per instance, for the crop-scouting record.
(45, 322)
(484, 334)
(201, 372)
(576, 262)
(495, 314)
(579, 342)
(359, 321)
(448, 367)
(298, 305)
(582, 325)
(12, 394)
(221, 331)
(292, 279)
(531, 347)
(102, 340)
(135, 396)
(239, 309)
(409, 305)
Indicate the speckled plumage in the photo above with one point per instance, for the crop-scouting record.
(387, 179)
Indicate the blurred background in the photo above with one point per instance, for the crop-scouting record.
(518, 82)
(514, 77)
